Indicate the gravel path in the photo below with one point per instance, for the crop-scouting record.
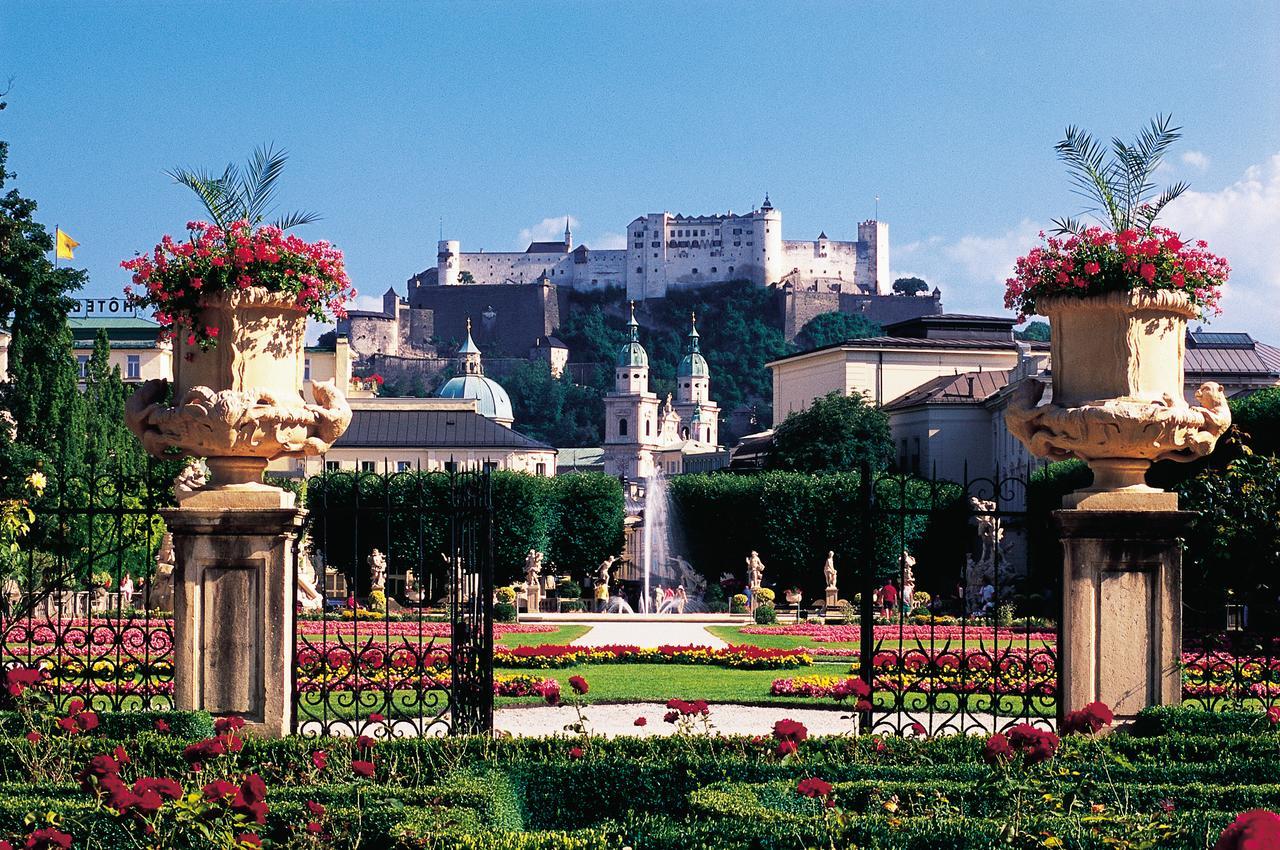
(614, 720)
(641, 633)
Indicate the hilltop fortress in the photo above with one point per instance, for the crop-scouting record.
(666, 251)
(518, 298)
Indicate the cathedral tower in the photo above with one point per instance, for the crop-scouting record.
(693, 391)
(631, 412)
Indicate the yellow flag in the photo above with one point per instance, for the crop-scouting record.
(66, 245)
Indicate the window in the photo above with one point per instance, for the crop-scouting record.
(133, 367)
(450, 466)
(713, 269)
(83, 361)
(730, 269)
(306, 369)
(648, 427)
(403, 466)
(368, 466)
(332, 466)
(695, 270)
(541, 469)
(622, 427)
(639, 269)
(490, 465)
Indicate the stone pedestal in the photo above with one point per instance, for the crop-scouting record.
(1122, 608)
(833, 597)
(234, 602)
(533, 598)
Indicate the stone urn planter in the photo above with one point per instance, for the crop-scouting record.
(239, 403)
(793, 597)
(1117, 401)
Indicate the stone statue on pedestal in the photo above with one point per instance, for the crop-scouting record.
(309, 596)
(412, 593)
(377, 571)
(605, 566)
(532, 582)
(755, 570)
(829, 574)
(162, 584)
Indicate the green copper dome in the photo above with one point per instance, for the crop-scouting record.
(694, 365)
(632, 352)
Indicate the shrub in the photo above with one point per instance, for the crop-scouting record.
(766, 615)
(504, 612)
(506, 594)
(569, 589)
(764, 594)
(738, 604)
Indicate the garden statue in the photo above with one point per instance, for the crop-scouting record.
(309, 596)
(829, 574)
(696, 585)
(412, 592)
(605, 566)
(162, 585)
(377, 570)
(192, 477)
(532, 583)
(755, 570)
(994, 558)
(908, 581)
(11, 595)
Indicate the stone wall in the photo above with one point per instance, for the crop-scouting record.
(506, 319)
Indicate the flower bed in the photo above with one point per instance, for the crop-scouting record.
(853, 634)
(737, 657)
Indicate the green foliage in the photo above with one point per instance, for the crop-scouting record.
(1036, 331)
(246, 192)
(910, 285)
(794, 519)
(577, 518)
(1233, 544)
(766, 614)
(1257, 417)
(504, 612)
(554, 410)
(835, 327)
(834, 434)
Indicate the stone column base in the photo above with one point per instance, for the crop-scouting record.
(233, 613)
(1122, 609)
(833, 597)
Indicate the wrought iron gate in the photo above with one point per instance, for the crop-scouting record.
(397, 638)
(983, 655)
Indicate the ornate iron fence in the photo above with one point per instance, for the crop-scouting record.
(85, 598)
(981, 655)
(396, 587)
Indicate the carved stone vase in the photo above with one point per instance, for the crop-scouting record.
(239, 404)
(1117, 401)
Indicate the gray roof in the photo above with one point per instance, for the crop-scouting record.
(964, 388)
(1259, 359)
(915, 342)
(546, 248)
(434, 429)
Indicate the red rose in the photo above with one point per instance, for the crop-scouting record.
(786, 748)
(578, 684)
(228, 724)
(1273, 714)
(813, 787)
(88, 721)
(33, 737)
(790, 730)
(1258, 829)
(551, 692)
(641, 721)
(671, 716)
(48, 839)
(248, 839)
(319, 759)
(315, 808)
(575, 753)
(217, 790)
(161, 785)
(364, 742)
(362, 768)
(161, 726)
(997, 749)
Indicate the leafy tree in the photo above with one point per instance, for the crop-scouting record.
(910, 285)
(554, 410)
(834, 434)
(41, 393)
(1036, 331)
(247, 192)
(590, 512)
(1257, 416)
(835, 327)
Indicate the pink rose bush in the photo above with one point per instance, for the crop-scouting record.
(177, 274)
(1095, 261)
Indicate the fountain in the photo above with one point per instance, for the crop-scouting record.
(659, 536)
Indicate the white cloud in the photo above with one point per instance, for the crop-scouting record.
(609, 242)
(971, 270)
(1240, 222)
(1196, 159)
(548, 230)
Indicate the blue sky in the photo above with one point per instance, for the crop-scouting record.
(498, 117)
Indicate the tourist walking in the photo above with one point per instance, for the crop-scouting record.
(889, 596)
(682, 599)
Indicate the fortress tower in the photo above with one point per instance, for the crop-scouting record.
(873, 257)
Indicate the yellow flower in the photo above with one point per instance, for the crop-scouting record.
(36, 481)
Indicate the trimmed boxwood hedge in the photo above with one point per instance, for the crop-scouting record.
(699, 792)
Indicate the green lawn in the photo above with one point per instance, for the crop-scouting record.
(562, 635)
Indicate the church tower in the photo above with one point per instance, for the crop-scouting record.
(631, 412)
(693, 391)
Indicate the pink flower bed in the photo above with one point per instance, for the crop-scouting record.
(853, 634)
